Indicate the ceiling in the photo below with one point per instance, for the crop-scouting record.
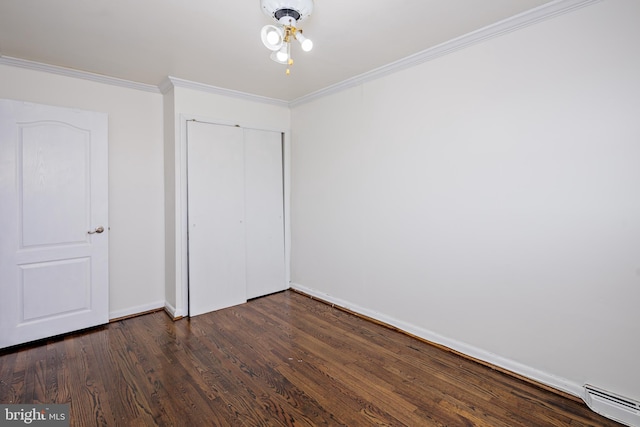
(217, 42)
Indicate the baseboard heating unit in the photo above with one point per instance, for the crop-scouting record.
(621, 409)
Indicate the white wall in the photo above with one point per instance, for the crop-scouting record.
(489, 198)
(136, 238)
(170, 179)
(187, 103)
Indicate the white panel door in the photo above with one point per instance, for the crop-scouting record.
(264, 212)
(53, 221)
(215, 171)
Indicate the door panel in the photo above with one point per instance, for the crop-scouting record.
(53, 192)
(52, 172)
(264, 213)
(216, 217)
(43, 283)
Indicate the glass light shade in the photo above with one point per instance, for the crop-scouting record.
(272, 37)
(283, 54)
(274, 57)
(305, 43)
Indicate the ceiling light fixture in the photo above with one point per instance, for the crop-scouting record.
(277, 38)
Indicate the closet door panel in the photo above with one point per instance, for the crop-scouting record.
(264, 218)
(217, 268)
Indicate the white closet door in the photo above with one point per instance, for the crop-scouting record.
(235, 211)
(264, 209)
(216, 217)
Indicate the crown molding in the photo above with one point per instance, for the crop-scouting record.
(524, 19)
(530, 17)
(163, 87)
(171, 82)
(68, 72)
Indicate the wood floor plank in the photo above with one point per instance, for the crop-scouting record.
(358, 368)
(375, 358)
(272, 390)
(171, 377)
(281, 360)
(308, 349)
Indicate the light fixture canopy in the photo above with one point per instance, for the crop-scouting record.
(277, 38)
(297, 10)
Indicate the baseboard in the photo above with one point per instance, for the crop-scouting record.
(545, 380)
(135, 311)
(173, 312)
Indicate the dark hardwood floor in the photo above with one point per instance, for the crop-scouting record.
(281, 360)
